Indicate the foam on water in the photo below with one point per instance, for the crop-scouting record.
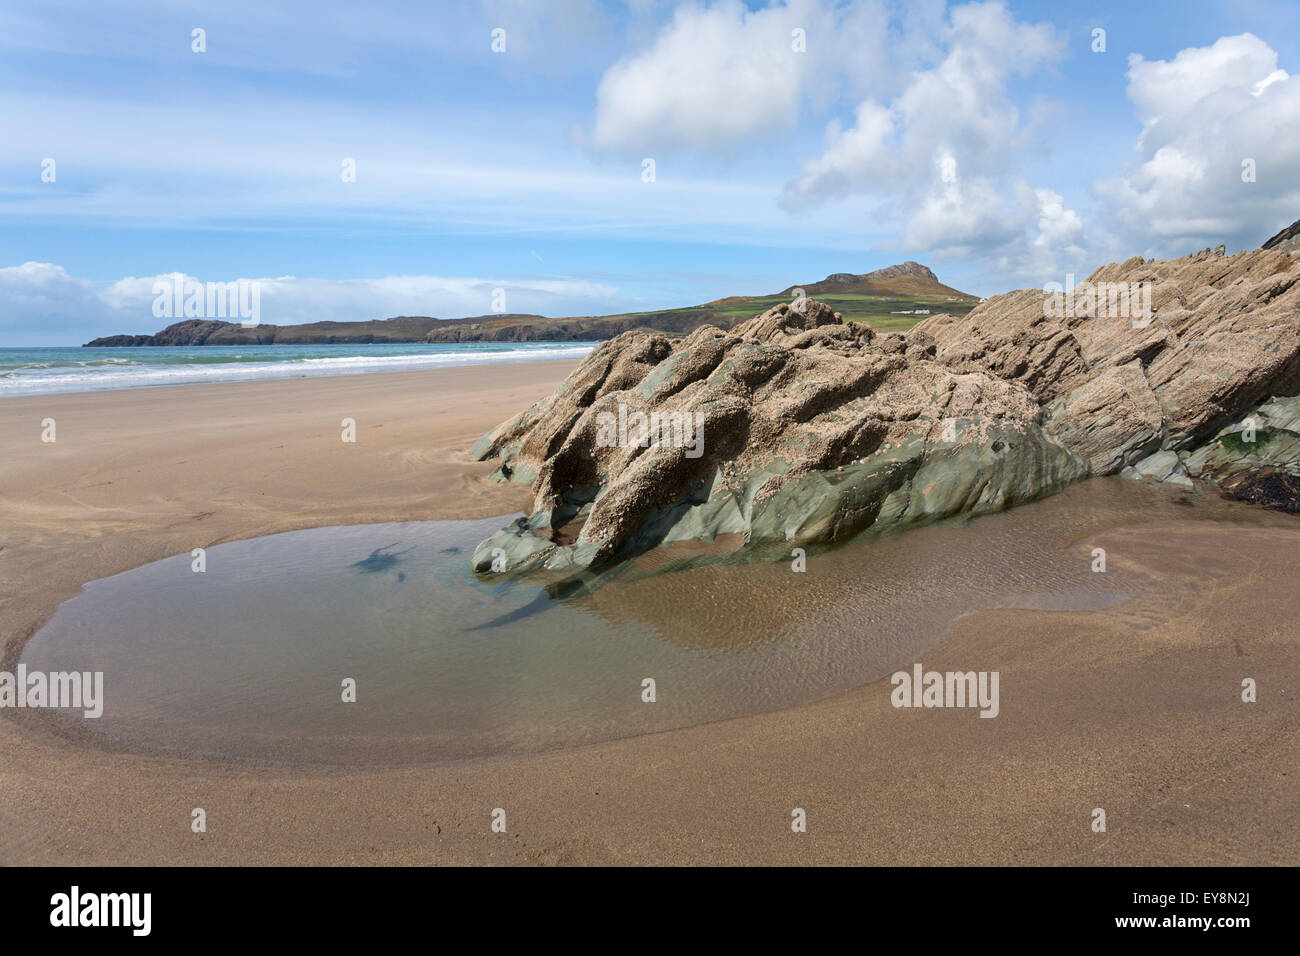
(39, 371)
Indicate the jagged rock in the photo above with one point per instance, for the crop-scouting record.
(813, 430)
(1223, 334)
(1288, 240)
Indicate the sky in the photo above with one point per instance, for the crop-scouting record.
(361, 161)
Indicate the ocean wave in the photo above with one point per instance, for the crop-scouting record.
(94, 363)
(449, 358)
(107, 373)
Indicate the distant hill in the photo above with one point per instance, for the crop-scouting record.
(889, 299)
(906, 279)
(404, 328)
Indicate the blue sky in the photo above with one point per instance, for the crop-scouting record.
(987, 140)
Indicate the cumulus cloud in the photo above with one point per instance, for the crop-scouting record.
(1058, 227)
(952, 124)
(941, 157)
(717, 76)
(1211, 117)
(42, 304)
(939, 143)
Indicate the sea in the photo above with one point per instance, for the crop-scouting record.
(44, 371)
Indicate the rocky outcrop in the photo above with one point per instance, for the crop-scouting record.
(795, 428)
(1287, 240)
(1221, 335)
(809, 430)
(189, 332)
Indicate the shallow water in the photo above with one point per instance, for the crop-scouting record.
(43, 371)
(248, 658)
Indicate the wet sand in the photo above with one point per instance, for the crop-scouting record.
(1135, 708)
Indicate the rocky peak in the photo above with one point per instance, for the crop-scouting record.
(908, 268)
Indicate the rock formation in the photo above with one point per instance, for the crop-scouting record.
(1287, 240)
(812, 430)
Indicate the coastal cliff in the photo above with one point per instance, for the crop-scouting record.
(906, 290)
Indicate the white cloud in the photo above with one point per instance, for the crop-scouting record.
(1268, 81)
(959, 109)
(718, 76)
(1204, 114)
(941, 157)
(35, 280)
(1058, 227)
(42, 304)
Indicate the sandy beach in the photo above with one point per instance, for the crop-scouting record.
(1136, 709)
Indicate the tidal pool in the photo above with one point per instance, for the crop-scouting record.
(248, 658)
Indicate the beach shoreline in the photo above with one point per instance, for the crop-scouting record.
(60, 370)
(1134, 709)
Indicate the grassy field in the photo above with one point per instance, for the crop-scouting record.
(877, 311)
